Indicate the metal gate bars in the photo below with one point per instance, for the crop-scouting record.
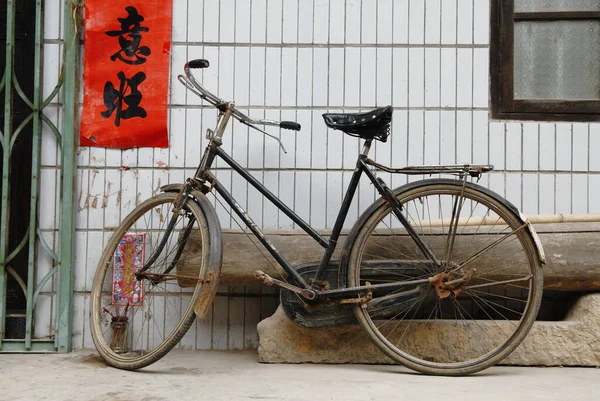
(61, 271)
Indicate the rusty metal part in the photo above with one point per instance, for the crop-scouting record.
(178, 212)
(318, 304)
(463, 280)
(270, 281)
(182, 196)
(212, 179)
(438, 282)
(459, 284)
(445, 286)
(369, 295)
(360, 299)
(167, 277)
(322, 285)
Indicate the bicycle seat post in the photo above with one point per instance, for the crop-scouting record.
(366, 148)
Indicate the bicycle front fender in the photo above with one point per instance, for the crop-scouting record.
(209, 289)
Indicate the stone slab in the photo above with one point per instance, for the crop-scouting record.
(572, 342)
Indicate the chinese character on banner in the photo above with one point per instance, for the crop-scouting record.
(126, 73)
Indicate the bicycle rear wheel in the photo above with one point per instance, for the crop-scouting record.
(140, 305)
(483, 294)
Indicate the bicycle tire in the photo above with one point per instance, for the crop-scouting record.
(442, 341)
(153, 328)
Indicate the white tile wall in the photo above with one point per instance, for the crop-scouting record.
(294, 60)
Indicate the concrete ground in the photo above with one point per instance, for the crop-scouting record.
(189, 375)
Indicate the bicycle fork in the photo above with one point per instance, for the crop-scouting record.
(178, 205)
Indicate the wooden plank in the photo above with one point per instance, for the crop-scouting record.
(556, 106)
(506, 56)
(571, 251)
(501, 35)
(557, 16)
(550, 117)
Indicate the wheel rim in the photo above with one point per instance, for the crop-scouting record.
(128, 332)
(482, 314)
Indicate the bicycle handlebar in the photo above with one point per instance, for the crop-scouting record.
(199, 63)
(190, 82)
(291, 125)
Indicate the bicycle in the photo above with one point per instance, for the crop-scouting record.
(439, 255)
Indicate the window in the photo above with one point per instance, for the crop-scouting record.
(545, 60)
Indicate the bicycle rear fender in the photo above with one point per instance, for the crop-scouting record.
(209, 289)
(379, 202)
(513, 208)
(492, 194)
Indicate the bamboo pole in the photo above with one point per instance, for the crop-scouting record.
(536, 219)
(565, 218)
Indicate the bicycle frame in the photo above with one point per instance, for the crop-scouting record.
(204, 176)
(393, 277)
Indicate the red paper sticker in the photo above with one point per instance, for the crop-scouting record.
(129, 258)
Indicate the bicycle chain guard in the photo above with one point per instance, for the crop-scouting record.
(337, 313)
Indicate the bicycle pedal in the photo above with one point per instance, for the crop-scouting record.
(270, 281)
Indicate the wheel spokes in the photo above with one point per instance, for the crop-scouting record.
(165, 305)
(483, 261)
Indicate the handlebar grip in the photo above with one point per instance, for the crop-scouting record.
(198, 63)
(290, 125)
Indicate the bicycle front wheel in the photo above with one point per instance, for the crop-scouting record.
(142, 304)
(477, 300)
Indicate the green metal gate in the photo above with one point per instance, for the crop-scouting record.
(62, 270)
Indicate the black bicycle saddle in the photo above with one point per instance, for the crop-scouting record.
(374, 124)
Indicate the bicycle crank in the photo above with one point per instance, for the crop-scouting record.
(270, 281)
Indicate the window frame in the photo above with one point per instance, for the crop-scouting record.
(503, 105)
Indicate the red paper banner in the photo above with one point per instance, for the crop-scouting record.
(126, 73)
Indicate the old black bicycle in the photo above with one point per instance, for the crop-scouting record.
(443, 274)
